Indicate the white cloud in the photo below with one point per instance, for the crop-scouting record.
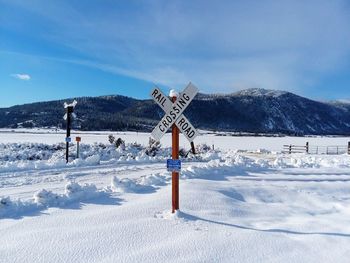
(21, 76)
(288, 44)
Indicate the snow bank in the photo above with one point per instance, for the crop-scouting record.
(14, 208)
(32, 156)
(11, 152)
(73, 192)
(213, 169)
(127, 185)
(218, 169)
(227, 164)
(155, 179)
(44, 199)
(310, 161)
(234, 165)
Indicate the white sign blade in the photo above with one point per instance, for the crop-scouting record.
(162, 100)
(157, 134)
(186, 128)
(191, 91)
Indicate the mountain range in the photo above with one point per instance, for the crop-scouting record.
(251, 110)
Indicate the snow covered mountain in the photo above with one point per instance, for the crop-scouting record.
(259, 110)
(251, 110)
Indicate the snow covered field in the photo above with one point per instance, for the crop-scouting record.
(114, 205)
(220, 142)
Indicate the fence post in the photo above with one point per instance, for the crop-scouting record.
(307, 147)
(290, 148)
(348, 147)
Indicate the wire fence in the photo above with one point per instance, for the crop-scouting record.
(334, 149)
(316, 149)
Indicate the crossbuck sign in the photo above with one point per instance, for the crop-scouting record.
(173, 113)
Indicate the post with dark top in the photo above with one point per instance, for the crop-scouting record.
(68, 116)
(69, 122)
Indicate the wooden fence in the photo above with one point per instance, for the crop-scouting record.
(331, 149)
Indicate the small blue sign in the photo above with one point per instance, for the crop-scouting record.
(68, 139)
(173, 165)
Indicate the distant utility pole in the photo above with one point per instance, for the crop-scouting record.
(68, 116)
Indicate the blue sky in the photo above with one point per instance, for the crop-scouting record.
(67, 48)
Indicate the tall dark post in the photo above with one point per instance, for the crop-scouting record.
(348, 147)
(69, 120)
(307, 147)
(193, 148)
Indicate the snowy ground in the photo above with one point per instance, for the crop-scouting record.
(114, 205)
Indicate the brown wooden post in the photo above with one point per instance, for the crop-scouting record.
(193, 148)
(175, 175)
(78, 140)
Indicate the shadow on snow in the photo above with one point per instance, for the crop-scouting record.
(271, 230)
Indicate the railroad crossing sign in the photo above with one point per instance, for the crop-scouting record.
(173, 113)
(175, 120)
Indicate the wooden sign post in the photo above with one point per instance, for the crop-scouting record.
(175, 174)
(178, 122)
(78, 140)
